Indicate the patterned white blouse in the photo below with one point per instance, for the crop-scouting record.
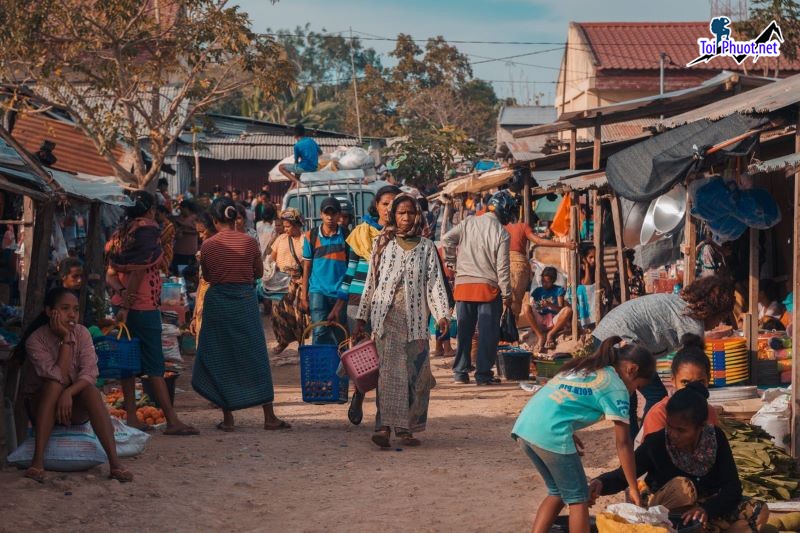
(418, 269)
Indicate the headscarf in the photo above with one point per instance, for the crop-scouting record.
(391, 232)
(292, 215)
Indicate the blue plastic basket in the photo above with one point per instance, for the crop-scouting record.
(118, 358)
(318, 365)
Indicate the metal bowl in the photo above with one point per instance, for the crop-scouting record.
(669, 209)
(648, 232)
(632, 219)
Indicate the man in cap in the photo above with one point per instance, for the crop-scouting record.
(324, 265)
(482, 284)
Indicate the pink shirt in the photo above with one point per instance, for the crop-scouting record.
(148, 295)
(42, 348)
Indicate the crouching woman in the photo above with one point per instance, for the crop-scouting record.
(690, 470)
(61, 371)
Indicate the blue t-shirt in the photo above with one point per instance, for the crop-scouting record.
(547, 299)
(306, 154)
(328, 256)
(570, 402)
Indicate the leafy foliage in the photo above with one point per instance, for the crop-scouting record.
(133, 70)
(425, 157)
(787, 14)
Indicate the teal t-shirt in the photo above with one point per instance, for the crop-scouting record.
(570, 402)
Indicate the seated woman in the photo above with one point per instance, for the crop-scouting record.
(689, 469)
(547, 314)
(60, 378)
(690, 365)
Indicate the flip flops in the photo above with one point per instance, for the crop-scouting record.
(227, 429)
(121, 475)
(36, 474)
(281, 425)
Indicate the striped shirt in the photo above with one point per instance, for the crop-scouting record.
(354, 279)
(328, 256)
(231, 257)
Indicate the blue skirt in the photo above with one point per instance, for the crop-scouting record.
(231, 368)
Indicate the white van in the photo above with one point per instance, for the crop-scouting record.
(308, 198)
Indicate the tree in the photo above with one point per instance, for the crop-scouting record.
(787, 14)
(424, 158)
(135, 71)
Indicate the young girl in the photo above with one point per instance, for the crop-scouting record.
(585, 391)
(690, 469)
(690, 365)
(59, 382)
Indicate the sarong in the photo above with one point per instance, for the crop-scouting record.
(231, 368)
(520, 280)
(288, 321)
(405, 383)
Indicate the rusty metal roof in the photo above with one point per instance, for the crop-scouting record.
(252, 146)
(772, 97)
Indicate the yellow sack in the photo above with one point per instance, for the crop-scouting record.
(609, 523)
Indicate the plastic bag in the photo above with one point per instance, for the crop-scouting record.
(70, 449)
(355, 158)
(130, 441)
(508, 327)
(775, 418)
(629, 518)
(170, 344)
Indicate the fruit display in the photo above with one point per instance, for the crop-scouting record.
(767, 472)
(146, 412)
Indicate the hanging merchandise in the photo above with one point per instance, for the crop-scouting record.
(9, 238)
(561, 222)
(757, 208)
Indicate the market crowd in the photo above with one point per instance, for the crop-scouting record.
(406, 276)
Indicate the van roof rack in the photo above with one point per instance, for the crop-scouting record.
(335, 177)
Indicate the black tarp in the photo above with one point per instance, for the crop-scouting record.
(648, 169)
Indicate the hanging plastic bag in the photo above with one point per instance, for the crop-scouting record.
(508, 327)
(561, 222)
(130, 441)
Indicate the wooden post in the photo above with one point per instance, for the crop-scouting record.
(623, 278)
(93, 270)
(598, 247)
(795, 314)
(690, 242)
(40, 255)
(526, 198)
(574, 263)
(751, 319)
(597, 144)
(573, 146)
(28, 210)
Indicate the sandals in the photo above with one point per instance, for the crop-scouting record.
(282, 424)
(227, 429)
(279, 349)
(355, 414)
(36, 474)
(121, 475)
(381, 438)
(407, 439)
(550, 345)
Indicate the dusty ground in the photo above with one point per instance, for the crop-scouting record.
(322, 475)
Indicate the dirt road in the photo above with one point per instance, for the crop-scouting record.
(322, 475)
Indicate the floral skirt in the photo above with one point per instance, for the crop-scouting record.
(288, 321)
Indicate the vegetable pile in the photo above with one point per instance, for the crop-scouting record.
(766, 471)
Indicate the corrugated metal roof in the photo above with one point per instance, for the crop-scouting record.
(92, 188)
(75, 152)
(236, 125)
(637, 46)
(788, 163)
(257, 146)
(762, 100)
(526, 115)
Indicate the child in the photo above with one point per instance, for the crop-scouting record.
(70, 272)
(550, 314)
(690, 469)
(582, 393)
(690, 365)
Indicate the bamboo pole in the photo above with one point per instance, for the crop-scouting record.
(690, 243)
(526, 198)
(598, 248)
(573, 147)
(597, 144)
(573, 270)
(623, 278)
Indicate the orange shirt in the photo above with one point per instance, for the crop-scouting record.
(656, 418)
(475, 292)
(519, 237)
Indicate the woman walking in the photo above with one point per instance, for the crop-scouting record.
(136, 258)
(288, 321)
(232, 368)
(361, 241)
(404, 286)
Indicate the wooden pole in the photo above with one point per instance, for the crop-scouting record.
(795, 314)
(598, 248)
(623, 278)
(573, 270)
(526, 198)
(597, 144)
(28, 211)
(751, 319)
(573, 146)
(690, 243)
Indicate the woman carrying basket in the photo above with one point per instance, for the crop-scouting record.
(232, 368)
(288, 321)
(403, 287)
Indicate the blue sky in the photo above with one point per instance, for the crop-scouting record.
(474, 20)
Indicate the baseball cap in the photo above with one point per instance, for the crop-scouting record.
(347, 207)
(330, 203)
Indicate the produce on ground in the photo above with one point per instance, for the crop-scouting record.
(146, 412)
(767, 472)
